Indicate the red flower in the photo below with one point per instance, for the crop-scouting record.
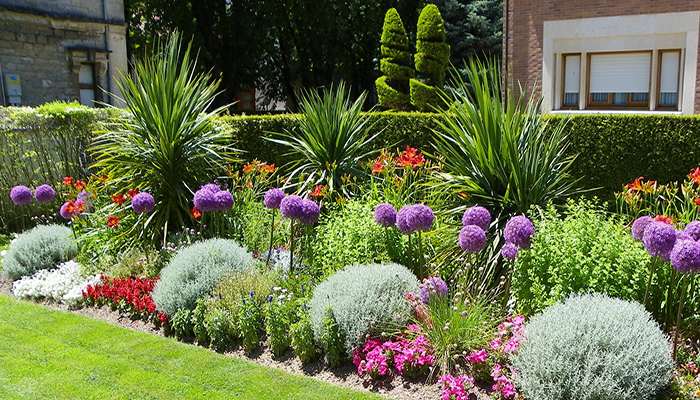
(317, 192)
(377, 167)
(640, 186)
(695, 175)
(132, 193)
(112, 221)
(80, 185)
(248, 168)
(410, 158)
(195, 213)
(697, 201)
(268, 168)
(664, 218)
(118, 199)
(68, 180)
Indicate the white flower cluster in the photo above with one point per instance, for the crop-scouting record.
(61, 284)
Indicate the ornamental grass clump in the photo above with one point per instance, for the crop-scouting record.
(364, 299)
(43, 247)
(195, 270)
(593, 347)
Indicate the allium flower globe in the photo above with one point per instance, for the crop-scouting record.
(224, 200)
(509, 251)
(385, 215)
(205, 198)
(519, 231)
(478, 216)
(472, 239)
(142, 203)
(659, 238)
(693, 229)
(639, 225)
(21, 195)
(402, 220)
(292, 207)
(683, 235)
(420, 218)
(685, 256)
(44, 194)
(66, 210)
(309, 212)
(273, 197)
(432, 287)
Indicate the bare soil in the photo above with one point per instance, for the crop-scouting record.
(393, 387)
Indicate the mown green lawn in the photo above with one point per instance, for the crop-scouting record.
(46, 354)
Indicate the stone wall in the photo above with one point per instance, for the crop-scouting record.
(523, 34)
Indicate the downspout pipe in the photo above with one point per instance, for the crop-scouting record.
(109, 52)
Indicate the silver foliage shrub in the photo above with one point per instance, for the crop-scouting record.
(592, 347)
(43, 247)
(194, 271)
(363, 298)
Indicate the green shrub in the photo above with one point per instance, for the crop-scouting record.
(221, 328)
(43, 247)
(277, 321)
(195, 270)
(432, 58)
(198, 327)
(364, 299)
(392, 88)
(586, 249)
(593, 347)
(302, 335)
(181, 325)
(331, 340)
(228, 292)
(250, 322)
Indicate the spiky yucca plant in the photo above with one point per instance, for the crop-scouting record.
(168, 143)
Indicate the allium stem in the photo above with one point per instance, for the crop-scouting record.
(272, 239)
(678, 316)
(410, 253)
(291, 246)
(651, 274)
(420, 255)
(669, 296)
(506, 292)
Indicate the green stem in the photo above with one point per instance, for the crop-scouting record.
(651, 274)
(669, 297)
(291, 247)
(506, 293)
(420, 255)
(272, 239)
(678, 317)
(410, 253)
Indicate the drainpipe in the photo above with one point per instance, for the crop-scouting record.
(506, 60)
(2, 88)
(109, 61)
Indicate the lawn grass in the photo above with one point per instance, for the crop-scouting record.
(47, 354)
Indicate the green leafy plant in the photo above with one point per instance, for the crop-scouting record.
(332, 340)
(198, 326)
(228, 292)
(250, 322)
(392, 87)
(43, 247)
(302, 335)
(277, 321)
(432, 58)
(333, 137)
(221, 328)
(593, 347)
(169, 143)
(181, 325)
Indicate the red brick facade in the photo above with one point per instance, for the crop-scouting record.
(524, 22)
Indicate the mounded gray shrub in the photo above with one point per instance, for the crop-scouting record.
(363, 298)
(43, 247)
(592, 347)
(195, 270)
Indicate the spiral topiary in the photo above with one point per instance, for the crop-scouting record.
(194, 271)
(43, 247)
(593, 346)
(432, 58)
(392, 88)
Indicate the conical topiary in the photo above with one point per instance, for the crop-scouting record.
(393, 87)
(432, 57)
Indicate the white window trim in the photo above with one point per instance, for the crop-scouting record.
(622, 33)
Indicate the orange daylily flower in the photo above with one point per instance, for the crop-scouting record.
(68, 180)
(664, 218)
(317, 192)
(80, 185)
(695, 175)
(132, 193)
(268, 168)
(112, 221)
(640, 186)
(377, 167)
(195, 213)
(410, 157)
(697, 201)
(248, 168)
(118, 199)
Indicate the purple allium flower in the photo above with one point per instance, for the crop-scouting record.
(292, 207)
(519, 231)
(659, 238)
(402, 220)
(639, 225)
(205, 198)
(685, 256)
(385, 214)
(509, 251)
(432, 286)
(85, 196)
(693, 229)
(224, 200)
(64, 211)
(142, 202)
(478, 216)
(683, 235)
(212, 187)
(420, 218)
(21, 195)
(44, 194)
(309, 212)
(472, 239)
(273, 197)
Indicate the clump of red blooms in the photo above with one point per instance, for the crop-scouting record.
(640, 186)
(410, 159)
(665, 219)
(128, 295)
(112, 221)
(411, 358)
(318, 191)
(259, 167)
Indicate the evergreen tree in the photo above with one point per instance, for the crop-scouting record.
(392, 87)
(432, 58)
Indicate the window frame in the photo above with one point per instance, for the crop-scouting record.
(658, 79)
(565, 106)
(608, 105)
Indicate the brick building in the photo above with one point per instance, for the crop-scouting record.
(605, 55)
(60, 50)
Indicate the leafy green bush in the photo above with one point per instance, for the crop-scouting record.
(228, 292)
(593, 347)
(392, 88)
(250, 322)
(364, 298)
(586, 249)
(221, 328)
(43, 247)
(331, 340)
(277, 321)
(169, 144)
(302, 335)
(195, 270)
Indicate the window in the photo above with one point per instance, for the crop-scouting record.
(572, 79)
(669, 74)
(619, 80)
(89, 92)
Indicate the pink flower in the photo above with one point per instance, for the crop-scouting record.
(508, 391)
(414, 328)
(496, 343)
(496, 370)
(517, 321)
(511, 345)
(478, 356)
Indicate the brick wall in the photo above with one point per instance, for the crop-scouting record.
(525, 23)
